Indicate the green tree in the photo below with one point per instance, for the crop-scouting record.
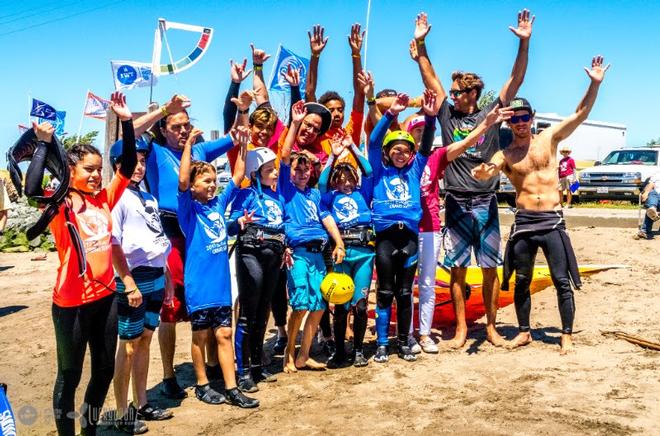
(653, 142)
(87, 138)
(487, 98)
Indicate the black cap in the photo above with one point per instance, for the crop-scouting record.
(323, 112)
(520, 103)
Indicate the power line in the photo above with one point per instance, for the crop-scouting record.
(55, 20)
(32, 12)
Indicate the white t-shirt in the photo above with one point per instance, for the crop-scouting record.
(136, 227)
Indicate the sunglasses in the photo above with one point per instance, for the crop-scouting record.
(458, 92)
(515, 119)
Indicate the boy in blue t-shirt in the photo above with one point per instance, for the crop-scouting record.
(305, 227)
(201, 217)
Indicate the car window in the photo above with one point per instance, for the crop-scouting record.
(632, 157)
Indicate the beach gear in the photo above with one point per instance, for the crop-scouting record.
(116, 150)
(337, 288)
(398, 135)
(7, 421)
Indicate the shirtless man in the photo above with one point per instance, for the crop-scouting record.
(530, 162)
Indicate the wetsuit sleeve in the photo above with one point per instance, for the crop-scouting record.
(376, 142)
(427, 136)
(363, 162)
(35, 172)
(128, 154)
(324, 178)
(211, 150)
(295, 98)
(230, 109)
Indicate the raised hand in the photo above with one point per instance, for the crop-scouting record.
(498, 115)
(298, 112)
(244, 100)
(240, 135)
(177, 104)
(355, 39)
(524, 29)
(430, 103)
(412, 49)
(292, 76)
(247, 218)
(44, 131)
(484, 171)
(192, 137)
(422, 26)
(238, 72)
(118, 106)
(258, 56)
(317, 41)
(400, 103)
(339, 143)
(597, 71)
(366, 81)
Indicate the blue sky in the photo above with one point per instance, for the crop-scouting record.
(58, 61)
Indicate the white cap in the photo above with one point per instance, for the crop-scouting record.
(256, 158)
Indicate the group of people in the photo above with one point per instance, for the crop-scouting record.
(304, 199)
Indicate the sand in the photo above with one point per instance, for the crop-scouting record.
(606, 386)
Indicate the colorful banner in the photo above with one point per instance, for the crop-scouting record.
(43, 110)
(174, 67)
(96, 107)
(58, 122)
(283, 59)
(129, 75)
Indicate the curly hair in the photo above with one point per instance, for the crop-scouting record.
(338, 170)
(199, 167)
(468, 81)
(77, 152)
(331, 95)
(263, 117)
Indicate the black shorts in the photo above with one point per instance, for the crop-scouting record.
(213, 317)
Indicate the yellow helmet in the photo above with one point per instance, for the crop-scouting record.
(337, 288)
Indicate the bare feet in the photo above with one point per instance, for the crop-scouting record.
(460, 337)
(289, 362)
(494, 337)
(522, 339)
(309, 364)
(566, 344)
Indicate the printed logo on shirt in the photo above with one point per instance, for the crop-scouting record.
(94, 228)
(273, 212)
(311, 212)
(216, 233)
(346, 209)
(461, 133)
(151, 218)
(425, 181)
(397, 189)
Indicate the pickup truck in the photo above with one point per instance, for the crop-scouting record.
(621, 175)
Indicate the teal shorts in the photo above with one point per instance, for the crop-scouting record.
(359, 264)
(304, 280)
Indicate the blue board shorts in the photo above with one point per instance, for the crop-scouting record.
(211, 317)
(304, 280)
(359, 264)
(471, 224)
(133, 320)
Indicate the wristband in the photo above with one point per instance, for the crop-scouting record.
(357, 56)
(314, 55)
(258, 67)
(163, 111)
(371, 101)
(342, 249)
(419, 42)
(131, 291)
(240, 112)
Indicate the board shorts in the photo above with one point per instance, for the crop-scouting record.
(359, 264)
(471, 224)
(177, 312)
(304, 280)
(565, 183)
(212, 317)
(133, 320)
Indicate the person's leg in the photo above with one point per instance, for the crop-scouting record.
(316, 305)
(339, 321)
(3, 220)
(295, 320)
(102, 348)
(362, 275)
(122, 375)
(197, 351)
(71, 343)
(226, 355)
(249, 277)
(141, 368)
(405, 269)
(325, 324)
(553, 249)
(429, 249)
(569, 197)
(457, 289)
(489, 257)
(279, 308)
(309, 331)
(385, 293)
(524, 255)
(651, 205)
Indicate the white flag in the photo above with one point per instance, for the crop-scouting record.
(129, 74)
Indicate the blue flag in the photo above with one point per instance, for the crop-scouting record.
(58, 122)
(283, 59)
(43, 110)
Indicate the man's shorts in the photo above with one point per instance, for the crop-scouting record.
(133, 320)
(212, 317)
(472, 223)
(304, 280)
(565, 183)
(5, 202)
(177, 311)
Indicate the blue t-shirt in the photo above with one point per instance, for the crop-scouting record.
(206, 271)
(268, 208)
(348, 210)
(396, 197)
(303, 211)
(163, 168)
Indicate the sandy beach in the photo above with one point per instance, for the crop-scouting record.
(606, 386)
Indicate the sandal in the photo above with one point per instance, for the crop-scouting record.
(151, 413)
(207, 395)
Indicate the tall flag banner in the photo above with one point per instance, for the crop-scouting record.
(129, 74)
(22, 129)
(58, 122)
(95, 106)
(174, 67)
(43, 110)
(283, 59)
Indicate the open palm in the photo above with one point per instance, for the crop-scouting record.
(597, 71)
(422, 26)
(524, 29)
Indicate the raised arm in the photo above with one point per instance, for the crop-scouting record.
(238, 74)
(355, 42)
(429, 76)
(259, 57)
(128, 150)
(366, 81)
(242, 104)
(524, 32)
(175, 105)
(317, 42)
(562, 130)
(489, 170)
(35, 172)
(241, 137)
(292, 76)
(495, 116)
(298, 112)
(186, 160)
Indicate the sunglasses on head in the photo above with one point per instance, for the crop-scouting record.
(515, 119)
(458, 92)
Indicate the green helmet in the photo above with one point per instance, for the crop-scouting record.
(398, 135)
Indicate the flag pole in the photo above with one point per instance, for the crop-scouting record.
(366, 33)
(82, 117)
